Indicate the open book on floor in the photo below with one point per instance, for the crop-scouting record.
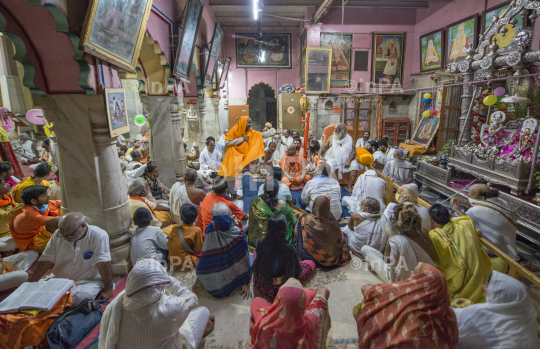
(36, 295)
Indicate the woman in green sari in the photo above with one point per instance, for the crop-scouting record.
(263, 208)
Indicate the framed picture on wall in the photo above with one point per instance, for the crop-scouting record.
(267, 51)
(341, 46)
(114, 31)
(211, 63)
(225, 71)
(318, 70)
(459, 36)
(303, 46)
(117, 115)
(387, 58)
(432, 51)
(504, 42)
(186, 46)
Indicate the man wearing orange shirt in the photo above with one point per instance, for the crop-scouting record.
(219, 190)
(34, 224)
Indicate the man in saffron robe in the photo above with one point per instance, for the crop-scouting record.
(35, 223)
(38, 178)
(294, 168)
(242, 146)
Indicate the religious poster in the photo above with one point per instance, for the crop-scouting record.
(303, 48)
(432, 51)
(318, 69)
(269, 51)
(341, 46)
(426, 130)
(458, 38)
(117, 115)
(211, 63)
(114, 31)
(186, 46)
(505, 41)
(387, 60)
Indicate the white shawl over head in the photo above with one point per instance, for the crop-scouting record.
(177, 197)
(145, 285)
(341, 150)
(506, 320)
(374, 225)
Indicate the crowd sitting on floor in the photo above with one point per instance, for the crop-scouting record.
(439, 287)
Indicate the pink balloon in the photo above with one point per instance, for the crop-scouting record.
(499, 91)
(36, 117)
(433, 111)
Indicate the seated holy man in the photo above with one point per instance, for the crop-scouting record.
(294, 168)
(35, 223)
(340, 153)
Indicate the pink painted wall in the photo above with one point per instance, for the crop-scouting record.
(381, 20)
(236, 81)
(439, 15)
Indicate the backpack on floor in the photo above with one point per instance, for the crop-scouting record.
(75, 324)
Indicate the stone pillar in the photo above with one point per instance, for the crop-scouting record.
(12, 94)
(202, 123)
(179, 154)
(56, 160)
(313, 107)
(91, 178)
(161, 138)
(465, 123)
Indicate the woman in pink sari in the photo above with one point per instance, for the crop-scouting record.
(298, 319)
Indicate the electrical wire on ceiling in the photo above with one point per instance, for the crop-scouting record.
(292, 19)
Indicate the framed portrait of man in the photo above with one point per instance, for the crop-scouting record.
(432, 51)
(270, 50)
(114, 31)
(211, 63)
(387, 60)
(188, 40)
(427, 128)
(459, 36)
(341, 57)
(117, 115)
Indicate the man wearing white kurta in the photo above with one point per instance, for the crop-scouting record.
(210, 160)
(341, 155)
(366, 228)
(281, 149)
(80, 252)
(368, 185)
(154, 311)
(409, 193)
(362, 142)
(399, 168)
(491, 216)
(287, 139)
(320, 185)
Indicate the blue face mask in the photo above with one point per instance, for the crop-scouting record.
(44, 207)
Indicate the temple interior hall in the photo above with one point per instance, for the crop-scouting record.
(237, 174)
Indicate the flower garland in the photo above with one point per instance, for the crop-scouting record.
(479, 114)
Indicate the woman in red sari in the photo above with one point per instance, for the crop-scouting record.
(298, 319)
(414, 313)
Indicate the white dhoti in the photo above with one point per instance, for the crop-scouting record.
(370, 232)
(368, 185)
(193, 328)
(339, 153)
(177, 197)
(84, 290)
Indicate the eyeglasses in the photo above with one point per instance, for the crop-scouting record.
(72, 234)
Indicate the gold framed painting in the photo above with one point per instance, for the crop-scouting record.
(318, 69)
(117, 115)
(113, 31)
(426, 130)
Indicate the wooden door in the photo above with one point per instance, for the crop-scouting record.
(271, 113)
(449, 116)
(235, 112)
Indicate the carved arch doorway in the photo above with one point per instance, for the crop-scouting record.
(262, 105)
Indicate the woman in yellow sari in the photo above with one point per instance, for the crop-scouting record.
(263, 208)
(460, 255)
(242, 146)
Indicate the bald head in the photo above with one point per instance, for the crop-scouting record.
(72, 226)
(190, 175)
(370, 205)
(291, 150)
(71, 220)
(482, 192)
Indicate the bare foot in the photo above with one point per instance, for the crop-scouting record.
(210, 325)
(237, 197)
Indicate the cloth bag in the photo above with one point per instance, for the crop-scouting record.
(75, 324)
